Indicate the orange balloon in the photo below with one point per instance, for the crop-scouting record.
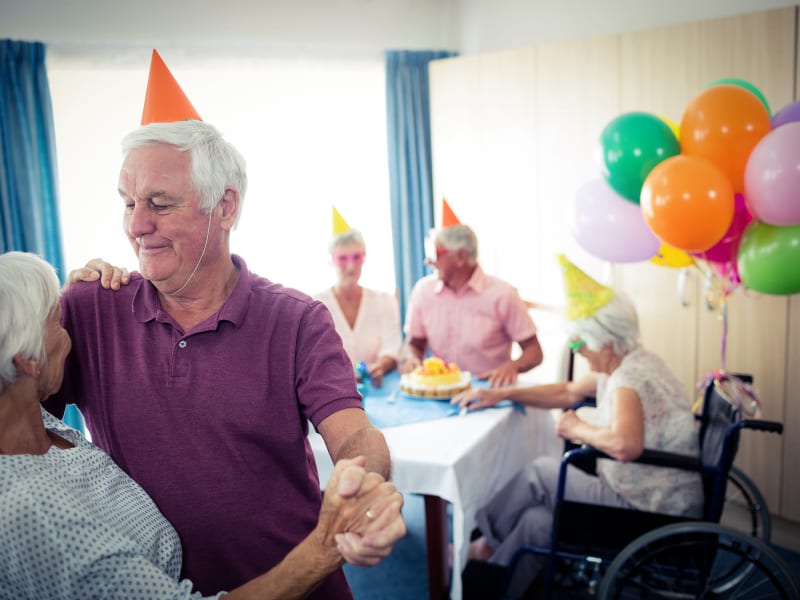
(688, 203)
(723, 124)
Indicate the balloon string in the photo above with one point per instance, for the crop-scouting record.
(724, 332)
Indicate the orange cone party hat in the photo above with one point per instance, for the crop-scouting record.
(449, 218)
(340, 226)
(164, 100)
(584, 295)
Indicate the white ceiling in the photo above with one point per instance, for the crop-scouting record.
(343, 26)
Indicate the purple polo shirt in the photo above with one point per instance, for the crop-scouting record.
(213, 423)
(473, 327)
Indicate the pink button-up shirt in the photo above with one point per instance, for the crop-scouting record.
(473, 327)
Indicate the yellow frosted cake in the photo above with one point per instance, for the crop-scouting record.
(435, 379)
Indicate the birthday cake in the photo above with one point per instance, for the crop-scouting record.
(435, 379)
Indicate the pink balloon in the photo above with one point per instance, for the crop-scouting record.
(610, 227)
(725, 250)
(772, 177)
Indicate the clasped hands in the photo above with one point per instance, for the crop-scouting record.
(361, 514)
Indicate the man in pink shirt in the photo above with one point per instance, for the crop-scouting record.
(468, 317)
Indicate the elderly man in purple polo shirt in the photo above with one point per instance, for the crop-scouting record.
(199, 377)
(468, 317)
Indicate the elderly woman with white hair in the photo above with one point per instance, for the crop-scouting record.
(640, 403)
(74, 525)
(368, 321)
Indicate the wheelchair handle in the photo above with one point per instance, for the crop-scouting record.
(759, 425)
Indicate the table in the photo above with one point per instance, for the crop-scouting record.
(462, 460)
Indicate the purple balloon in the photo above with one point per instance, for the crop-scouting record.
(788, 114)
(772, 177)
(610, 227)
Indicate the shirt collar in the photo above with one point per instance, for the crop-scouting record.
(146, 305)
(476, 282)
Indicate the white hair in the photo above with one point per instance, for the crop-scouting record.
(29, 293)
(616, 323)
(215, 163)
(349, 236)
(457, 237)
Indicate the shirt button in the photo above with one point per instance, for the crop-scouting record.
(182, 344)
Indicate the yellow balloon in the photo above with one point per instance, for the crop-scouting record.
(668, 256)
(676, 129)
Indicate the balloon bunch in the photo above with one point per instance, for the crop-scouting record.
(723, 187)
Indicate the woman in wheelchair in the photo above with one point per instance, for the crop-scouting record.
(640, 403)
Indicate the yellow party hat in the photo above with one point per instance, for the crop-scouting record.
(584, 295)
(339, 224)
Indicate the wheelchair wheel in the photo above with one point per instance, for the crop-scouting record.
(745, 508)
(698, 560)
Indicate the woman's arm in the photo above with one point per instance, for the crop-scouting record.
(623, 438)
(553, 395)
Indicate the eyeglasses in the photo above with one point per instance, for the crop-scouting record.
(341, 258)
(575, 345)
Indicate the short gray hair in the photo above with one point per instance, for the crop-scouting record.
(215, 162)
(457, 237)
(349, 236)
(29, 294)
(616, 323)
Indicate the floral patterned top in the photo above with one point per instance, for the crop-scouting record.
(668, 425)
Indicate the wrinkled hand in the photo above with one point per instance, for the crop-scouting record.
(360, 514)
(409, 363)
(505, 374)
(110, 277)
(565, 426)
(476, 398)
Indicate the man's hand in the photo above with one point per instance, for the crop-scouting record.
(361, 513)
(110, 277)
(505, 374)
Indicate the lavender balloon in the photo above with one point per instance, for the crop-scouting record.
(788, 114)
(610, 227)
(772, 177)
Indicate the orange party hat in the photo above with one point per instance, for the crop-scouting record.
(449, 218)
(340, 226)
(585, 296)
(164, 100)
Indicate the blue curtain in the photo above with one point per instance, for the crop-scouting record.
(28, 191)
(410, 178)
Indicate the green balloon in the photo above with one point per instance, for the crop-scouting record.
(632, 144)
(743, 84)
(769, 259)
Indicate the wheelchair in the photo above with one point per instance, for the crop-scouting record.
(609, 552)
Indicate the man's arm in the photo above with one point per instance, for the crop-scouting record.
(413, 354)
(348, 433)
(506, 374)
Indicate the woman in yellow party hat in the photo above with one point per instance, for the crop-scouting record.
(640, 403)
(367, 320)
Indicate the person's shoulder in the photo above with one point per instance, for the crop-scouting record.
(270, 292)
(82, 292)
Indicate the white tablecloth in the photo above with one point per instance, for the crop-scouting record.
(462, 459)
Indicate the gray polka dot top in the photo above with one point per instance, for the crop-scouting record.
(74, 525)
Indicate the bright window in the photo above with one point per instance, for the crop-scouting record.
(313, 133)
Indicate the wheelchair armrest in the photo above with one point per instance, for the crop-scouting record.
(589, 401)
(648, 457)
(759, 425)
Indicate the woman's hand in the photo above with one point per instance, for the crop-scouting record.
(360, 514)
(110, 276)
(476, 398)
